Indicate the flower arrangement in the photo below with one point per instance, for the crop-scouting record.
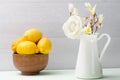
(76, 26)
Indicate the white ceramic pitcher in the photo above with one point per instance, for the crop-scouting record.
(89, 59)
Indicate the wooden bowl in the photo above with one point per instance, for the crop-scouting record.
(30, 64)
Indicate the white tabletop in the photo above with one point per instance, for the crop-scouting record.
(109, 74)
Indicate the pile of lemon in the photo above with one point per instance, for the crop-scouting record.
(32, 42)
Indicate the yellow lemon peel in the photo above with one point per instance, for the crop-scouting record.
(27, 47)
(44, 45)
(33, 35)
(16, 42)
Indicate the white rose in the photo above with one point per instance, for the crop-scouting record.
(73, 27)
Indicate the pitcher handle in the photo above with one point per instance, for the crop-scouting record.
(106, 45)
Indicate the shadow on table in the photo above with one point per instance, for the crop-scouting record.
(43, 73)
(47, 73)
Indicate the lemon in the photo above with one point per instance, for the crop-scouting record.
(27, 47)
(44, 45)
(33, 35)
(16, 42)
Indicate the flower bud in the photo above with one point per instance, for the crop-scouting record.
(88, 5)
(100, 18)
(70, 8)
(75, 11)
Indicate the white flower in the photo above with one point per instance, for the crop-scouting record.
(88, 5)
(73, 27)
(100, 18)
(70, 7)
(75, 11)
(91, 9)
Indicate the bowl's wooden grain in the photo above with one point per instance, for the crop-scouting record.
(30, 64)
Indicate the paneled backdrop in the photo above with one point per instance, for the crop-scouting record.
(16, 16)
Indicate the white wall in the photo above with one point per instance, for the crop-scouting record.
(16, 16)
